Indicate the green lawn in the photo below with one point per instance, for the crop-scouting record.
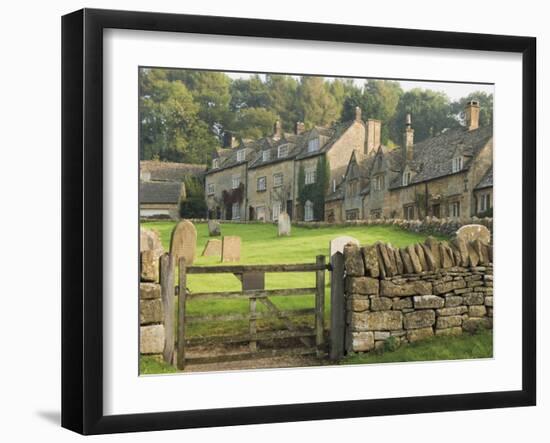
(261, 245)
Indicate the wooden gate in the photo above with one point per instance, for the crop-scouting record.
(312, 340)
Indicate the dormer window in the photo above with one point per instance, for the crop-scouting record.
(457, 164)
(215, 163)
(378, 183)
(282, 151)
(406, 178)
(313, 145)
(266, 156)
(241, 155)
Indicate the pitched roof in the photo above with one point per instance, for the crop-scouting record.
(160, 192)
(170, 171)
(487, 179)
(432, 158)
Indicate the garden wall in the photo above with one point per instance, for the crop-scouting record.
(396, 295)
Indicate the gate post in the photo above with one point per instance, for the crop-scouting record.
(337, 307)
(320, 304)
(167, 294)
(182, 298)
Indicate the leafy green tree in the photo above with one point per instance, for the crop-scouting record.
(486, 107)
(317, 104)
(254, 122)
(430, 111)
(249, 93)
(283, 100)
(194, 204)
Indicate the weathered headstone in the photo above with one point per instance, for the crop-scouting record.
(212, 248)
(284, 224)
(214, 228)
(231, 248)
(184, 242)
(470, 233)
(337, 244)
(150, 248)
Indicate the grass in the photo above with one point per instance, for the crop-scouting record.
(465, 346)
(261, 245)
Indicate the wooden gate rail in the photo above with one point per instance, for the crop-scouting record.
(262, 295)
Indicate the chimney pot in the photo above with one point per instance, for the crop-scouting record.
(408, 139)
(373, 134)
(299, 128)
(471, 115)
(277, 130)
(358, 113)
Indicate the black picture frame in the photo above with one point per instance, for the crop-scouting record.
(82, 215)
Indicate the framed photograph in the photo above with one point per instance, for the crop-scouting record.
(270, 221)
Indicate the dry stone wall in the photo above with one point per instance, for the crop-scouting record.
(412, 293)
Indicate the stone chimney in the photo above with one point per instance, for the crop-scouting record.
(373, 135)
(229, 140)
(471, 115)
(408, 139)
(277, 130)
(299, 127)
(357, 114)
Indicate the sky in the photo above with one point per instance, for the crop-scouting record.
(454, 91)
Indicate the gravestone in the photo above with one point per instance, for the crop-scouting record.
(337, 244)
(470, 233)
(284, 224)
(231, 248)
(212, 248)
(214, 228)
(184, 242)
(150, 248)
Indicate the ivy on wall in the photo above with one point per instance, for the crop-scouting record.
(315, 192)
(233, 196)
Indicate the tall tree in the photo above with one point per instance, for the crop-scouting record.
(430, 111)
(249, 93)
(254, 122)
(318, 105)
(283, 100)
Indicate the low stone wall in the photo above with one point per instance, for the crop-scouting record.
(151, 318)
(430, 225)
(397, 295)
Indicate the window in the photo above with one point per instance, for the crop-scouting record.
(352, 214)
(241, 155)
(235, 181)
(436, 210)
(308, 211)
(484, 202)
(408, 212)
(454, 209)
(261, 184)
(376, 213)
(457, 164)
(236, 211)
(282, 151)
(276, 210)
(378, 183)
(266, 155)
(313, 145)
(353, 188)
(277, 180)
(406, 178)
(310, 176)
(211, 188)
(215, 163)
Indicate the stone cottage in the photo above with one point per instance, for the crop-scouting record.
(446, 176)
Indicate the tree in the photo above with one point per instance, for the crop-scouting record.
(317, 104)
(283, 100)
(249, 93)
(194, 204)
(430, 111)
(254, 122)
(486, 107)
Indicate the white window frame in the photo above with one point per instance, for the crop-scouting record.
(378, 184)
(215, 163)
(241, 155)
(458, 163)
(484, 202)
(276, 210)
(211, 189)
(277, 179)
(235, 181)
(409, 212)
(406, 178)
(261, 183)
(236, 211)
(266, 155)
(313, 145)
(454, 209)
(308, 211)
(282, 151)
(311, 176)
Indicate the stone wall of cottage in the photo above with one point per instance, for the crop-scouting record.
(399, 295)
(338, 156)
(223, 180)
